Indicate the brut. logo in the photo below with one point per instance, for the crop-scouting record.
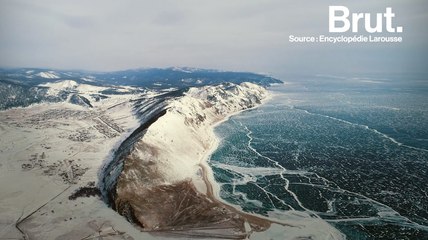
(341, 14)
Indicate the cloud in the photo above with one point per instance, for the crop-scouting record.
(234, 35)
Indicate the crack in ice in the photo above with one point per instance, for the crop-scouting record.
(363, 126)
(281, 174)
(385, 213)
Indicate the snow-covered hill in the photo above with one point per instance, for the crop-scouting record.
(183, 128)
(24, 86)
(49, 74)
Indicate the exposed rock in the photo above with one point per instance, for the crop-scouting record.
(86, 191)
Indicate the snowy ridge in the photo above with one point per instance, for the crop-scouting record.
(84, 94)
(56, 87)
(184, 129)
(49, 74)
(82, 88)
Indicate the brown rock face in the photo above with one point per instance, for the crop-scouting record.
(177, 208)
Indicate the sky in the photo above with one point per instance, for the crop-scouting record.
(238, 35)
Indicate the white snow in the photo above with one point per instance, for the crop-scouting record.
(49, 74)
(187, 136)
(33, 130)
(71, 85)
(186, 70)
(310, 229)
(86, 88)
(88, 79)
(56, 87)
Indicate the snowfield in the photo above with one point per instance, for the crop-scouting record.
(48, 152)
(70, 85)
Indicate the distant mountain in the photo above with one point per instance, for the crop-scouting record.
(182, 77)
(149, 77)
(24, 86)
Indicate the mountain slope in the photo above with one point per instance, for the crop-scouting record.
(24, 86)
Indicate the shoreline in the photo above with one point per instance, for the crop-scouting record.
(207, 171)
(212, 187)
(272, 226)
